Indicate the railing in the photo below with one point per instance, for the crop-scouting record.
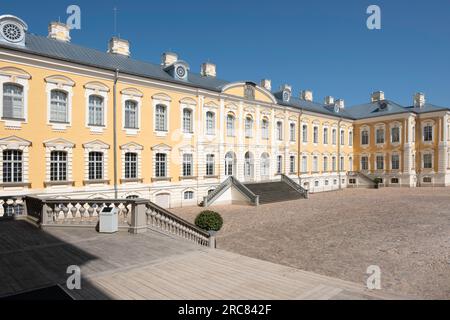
(169, 223)
(75, 212)
(136, 216)
(355, 174)
(12, 207)
(295, 185)
(231, 181)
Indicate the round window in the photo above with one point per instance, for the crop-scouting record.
(12, 32)
(181, 72)
(286, 96)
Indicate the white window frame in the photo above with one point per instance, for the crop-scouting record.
(265, 130)
(63, 146)
(131, 147)
(96, 146)
(162, 99)
(210, 131)
(293, 131)
(248, 124)
(101, 91)
(20, 79)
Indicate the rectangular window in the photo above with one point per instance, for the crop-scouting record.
(58, 106)
(96, 111)
(230, 126)
(350, 138)
(189, 195)
(131, 165)
(325, 164)
(292, 132)
(380, 136)
(364, 137)
(342, 164)
(95, 166)
(364, 163)
(12, 166)
(395, 165)
(428, 133)
(58, 166)
(380, 162)
(304, 164)
(279, 165)
(248, 127)
(292, 165)
(210, 165)
(395, 135)
(315, 164)
(428, 161)
(325, 136)
(13, 101)
(280, 131)
(334, 164)
(316, 135)
(305, 133)
(265, 129)
(131, 114)
(342, 137)
(161, 118)
(187, 165)
(210, 123)
(187, 121)
(334, 137)
(161, 165)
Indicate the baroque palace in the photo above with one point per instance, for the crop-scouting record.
(80, 123)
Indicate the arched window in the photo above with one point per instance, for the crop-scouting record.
(305, 133)
(95, 166)
(131, 115)
(325, 164)
(230, 125)
(188, 164)
(96, 111)
(210, 123)
(365, 137)
(13, 101)
(325, 135)
(265, 129)
(58, 106)
(187, 121)
(292, 132)
(12, 166)
(292, 165)
(428, 133)
(248, 127)
(210, 165)
(334, 137)
(161, 118)
(229, 164)
(265, 166)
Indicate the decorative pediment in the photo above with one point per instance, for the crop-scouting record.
(293, 118)
(249, 109)
(162, 97)
(213, 105)
(59, 143)
(266, 112)
(132, 92)
(60, 80)
(14, 142)
(279, 116)
(162, 147)
(231, 106)
(188, 101)
(132, 146)
(96, 86)
(96, 145)
(14, 73)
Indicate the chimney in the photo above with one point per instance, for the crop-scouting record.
(378, 96)
(208, 70)
(329, 101)
(119, 46)
(419, 100)
(340, 103)
(266, 84)
(59, 31)
(168, 58)
(306, 95)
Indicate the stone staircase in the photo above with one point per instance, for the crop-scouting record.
(272, 192)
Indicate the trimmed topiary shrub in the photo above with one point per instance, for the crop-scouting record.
(209, 221)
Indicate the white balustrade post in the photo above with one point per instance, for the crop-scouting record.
(138, 217)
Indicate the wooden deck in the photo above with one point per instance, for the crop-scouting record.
(152, 266)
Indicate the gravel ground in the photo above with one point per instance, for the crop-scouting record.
(404, 231)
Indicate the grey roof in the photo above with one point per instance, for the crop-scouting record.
(74, 53)
(60, 50)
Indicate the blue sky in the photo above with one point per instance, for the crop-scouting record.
(319, 45)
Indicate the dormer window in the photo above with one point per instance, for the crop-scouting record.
(179, 70)
(12, 30)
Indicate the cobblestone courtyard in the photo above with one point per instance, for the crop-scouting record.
(404, 231)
